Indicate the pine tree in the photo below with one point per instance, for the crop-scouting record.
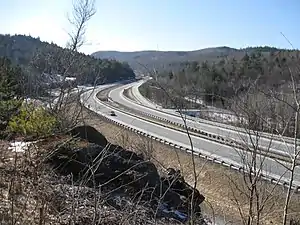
(10, 91)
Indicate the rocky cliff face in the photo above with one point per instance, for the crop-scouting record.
(126, 177)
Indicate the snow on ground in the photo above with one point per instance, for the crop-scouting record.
(214, 116)
(214, 113)
(19, 146)
(56, 78)
(198, 101)
(35, 102)
(70, 78)
(225, 117)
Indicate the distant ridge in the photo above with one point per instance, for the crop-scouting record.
(165, 60)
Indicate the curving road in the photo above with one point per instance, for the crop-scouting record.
(225, 131)
(228, 154)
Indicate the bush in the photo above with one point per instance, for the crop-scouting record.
(32, 121)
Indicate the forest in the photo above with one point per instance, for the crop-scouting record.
(36, 57)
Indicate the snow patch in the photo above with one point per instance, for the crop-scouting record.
(197, 101)
(19, 146)
(227, 117)
(70, 78)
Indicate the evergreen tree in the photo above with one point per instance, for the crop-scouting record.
(10, 91)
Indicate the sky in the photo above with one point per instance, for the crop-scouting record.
(166, 25)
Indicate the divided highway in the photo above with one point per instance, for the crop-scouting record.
(229, 132)
(203, 146)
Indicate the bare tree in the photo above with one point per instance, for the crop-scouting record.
(254, 198)
(83, 11)
(295, 154)
(180, 108)
(261, 197)
(290, 106)
(259, 114)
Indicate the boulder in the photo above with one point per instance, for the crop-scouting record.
(90, 134)
(176, 183)
(70, 159)
(106, 163)
(119, 170)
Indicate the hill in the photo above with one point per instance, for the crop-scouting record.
(174, 60)
(36, 57)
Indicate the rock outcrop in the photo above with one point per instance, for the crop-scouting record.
(124, 173)
(90, 134)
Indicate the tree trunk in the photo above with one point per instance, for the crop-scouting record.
(292, 169)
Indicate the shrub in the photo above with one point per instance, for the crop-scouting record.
(32, 121)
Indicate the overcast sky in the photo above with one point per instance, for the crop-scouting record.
(131, 25)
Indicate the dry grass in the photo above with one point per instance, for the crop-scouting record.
(32, 193)
(213, 180)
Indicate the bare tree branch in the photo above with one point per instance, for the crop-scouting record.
(83, 11)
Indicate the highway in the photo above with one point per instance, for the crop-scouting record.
(271, 168)
(225, 131)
